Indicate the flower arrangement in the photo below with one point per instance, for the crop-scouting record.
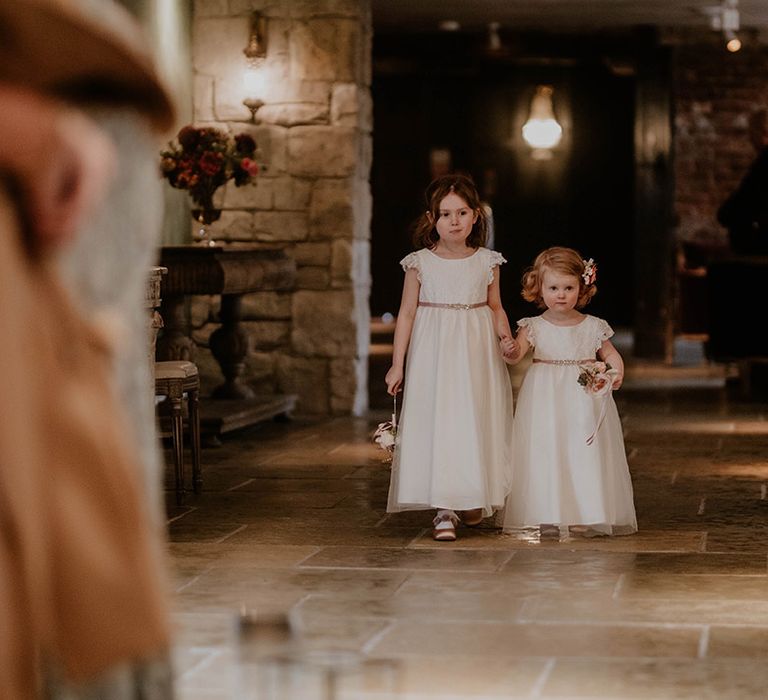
(386, 433)
(597, 378)
(590, 272)
(201, 160)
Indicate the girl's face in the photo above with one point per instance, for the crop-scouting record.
(559, 291)
(454, 219)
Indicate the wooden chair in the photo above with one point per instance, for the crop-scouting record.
(178, 380)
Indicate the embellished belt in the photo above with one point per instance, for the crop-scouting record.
(564, 362)
(464, 307)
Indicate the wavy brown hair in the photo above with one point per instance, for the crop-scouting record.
(424, 232)
(566, 261)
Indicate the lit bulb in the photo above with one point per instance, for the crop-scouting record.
(542, 131)
(734, 43)
(253, 81)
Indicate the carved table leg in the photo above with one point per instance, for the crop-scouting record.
(176, 342)
(229, 345)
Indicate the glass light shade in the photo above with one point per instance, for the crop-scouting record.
(542, 129)
(253, 82)
(542, 133)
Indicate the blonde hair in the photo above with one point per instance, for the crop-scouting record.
(425, 234)
(566, 261)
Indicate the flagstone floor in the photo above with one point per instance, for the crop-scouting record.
(292, 521)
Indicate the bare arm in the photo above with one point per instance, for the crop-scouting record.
(403, 328)
(610, 355)
(500, 320)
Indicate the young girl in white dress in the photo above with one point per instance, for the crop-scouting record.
(453, 450)
(570, 467)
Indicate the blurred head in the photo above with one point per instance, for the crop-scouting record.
(449, 195)
(561, 263)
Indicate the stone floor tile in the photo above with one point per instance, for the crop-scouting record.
(660, 679)
(725, 563)
(513, 583)
(738, 539)
(437, 678)
(263, 556)
(321, 534)
(532, 639)
(642, 541)
(699, 586)
(420, 605)
(468, 562)
(735, 641)
(686, 611)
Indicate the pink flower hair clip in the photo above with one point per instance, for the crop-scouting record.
(590, 272)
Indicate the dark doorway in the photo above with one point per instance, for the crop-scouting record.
(473, 106)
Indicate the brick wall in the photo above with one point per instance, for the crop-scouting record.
(714, 92)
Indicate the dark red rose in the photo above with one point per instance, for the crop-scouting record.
(245, 144)
(211, 163)
(188, 137)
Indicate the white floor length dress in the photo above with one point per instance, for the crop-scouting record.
(455, 436)
(558, 478)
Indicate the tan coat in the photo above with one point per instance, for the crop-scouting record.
(78, 580)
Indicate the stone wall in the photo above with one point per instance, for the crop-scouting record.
(313, 197)
(714, 92)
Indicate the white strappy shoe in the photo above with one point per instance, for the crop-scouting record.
(445, 526)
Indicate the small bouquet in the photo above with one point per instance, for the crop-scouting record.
(597, 378)
(386, 433)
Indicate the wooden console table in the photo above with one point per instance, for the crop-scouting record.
(230, 272)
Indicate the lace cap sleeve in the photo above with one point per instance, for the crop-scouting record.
(602, 332)
(412, 262)
(494, 260)
(527, 323)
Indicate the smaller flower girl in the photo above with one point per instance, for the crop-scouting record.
(570, 465)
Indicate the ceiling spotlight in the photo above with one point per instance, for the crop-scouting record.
(494, 40)
(725, 18)
(734, 43)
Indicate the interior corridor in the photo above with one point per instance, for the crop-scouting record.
(292, 519)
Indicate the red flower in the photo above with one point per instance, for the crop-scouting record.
(250, 166)
(244, 143)
(189, 137)
(211, 163)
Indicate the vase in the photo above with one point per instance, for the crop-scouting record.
(205, 216)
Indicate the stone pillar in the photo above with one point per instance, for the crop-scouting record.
(312, 198)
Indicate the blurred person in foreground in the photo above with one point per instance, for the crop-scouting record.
(83, 595)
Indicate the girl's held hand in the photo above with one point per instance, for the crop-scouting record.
(394, 380)
(617, 381)
(509, 347)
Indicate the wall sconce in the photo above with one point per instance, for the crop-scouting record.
(542, 131)
(257, 38)
(255, 50)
